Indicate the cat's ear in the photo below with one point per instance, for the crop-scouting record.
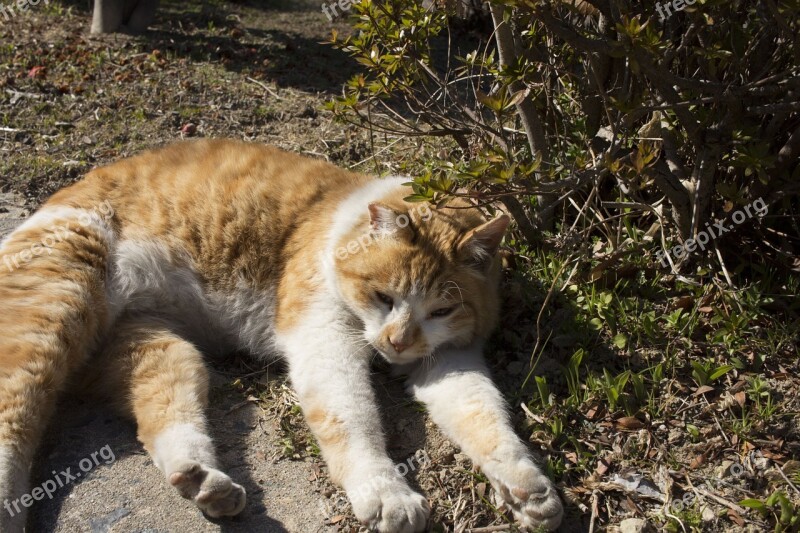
(386, 222)
(480, 244)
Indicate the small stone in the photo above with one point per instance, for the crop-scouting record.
(461, 458)
(634, 525)
(708, 514)
(761, 463)
(723, 470)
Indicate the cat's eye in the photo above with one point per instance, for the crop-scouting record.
(444, 311)
(385, 298)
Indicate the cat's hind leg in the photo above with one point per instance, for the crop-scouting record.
(161, 380)
(53, 311)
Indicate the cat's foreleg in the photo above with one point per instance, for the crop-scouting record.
(464, 402)
(330, 374)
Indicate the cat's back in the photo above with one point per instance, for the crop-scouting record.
(192, 179)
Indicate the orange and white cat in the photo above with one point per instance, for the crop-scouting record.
(120, 283)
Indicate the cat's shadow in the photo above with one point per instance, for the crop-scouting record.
(122, 490)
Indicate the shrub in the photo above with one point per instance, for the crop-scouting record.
(596, 120)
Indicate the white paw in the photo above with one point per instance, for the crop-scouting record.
(529, 494)
(387, 504)
(211, 490)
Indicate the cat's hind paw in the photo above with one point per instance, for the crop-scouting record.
(391, 506)
(530, 495)
(211, 490)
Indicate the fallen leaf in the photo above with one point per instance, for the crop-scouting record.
(630, 422)
(684, 302)
(189, 129)
(736, 517)
(636, 483)
(740, 398)
(37, 73)
(572, 457)
(704, 389)
(697, 462)
(775, 457)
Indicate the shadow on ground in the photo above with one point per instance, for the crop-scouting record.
(281, 43)
(128, 493)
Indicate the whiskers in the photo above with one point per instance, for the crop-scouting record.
(449, 286)
(429, 361)
(358, 343)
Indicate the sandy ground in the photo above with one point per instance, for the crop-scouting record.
(130, 494)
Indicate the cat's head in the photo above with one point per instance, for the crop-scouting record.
(421, 278)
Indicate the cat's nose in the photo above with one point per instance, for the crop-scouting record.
(399, 346)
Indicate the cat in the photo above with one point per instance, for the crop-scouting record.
(120, 283)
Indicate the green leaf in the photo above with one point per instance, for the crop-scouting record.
(752, 503)
(719, 372)
(620, 341)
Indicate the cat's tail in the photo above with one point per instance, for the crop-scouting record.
(53, 309)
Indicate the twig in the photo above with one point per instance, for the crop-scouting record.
(594, 511)
(720, 500)
(239, 405)
(264, 86)
(722, 264)
(488, 529)
(678, 520)
(780, 471)
(379, 152)
(544, 306)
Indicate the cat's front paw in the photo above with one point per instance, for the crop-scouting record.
(529, 494)
(388, 505)
(211, 490)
